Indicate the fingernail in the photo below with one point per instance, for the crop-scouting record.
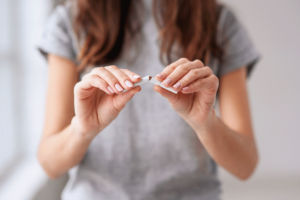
(177, 85)
(167, 81)
(128, 83)
(111, 90)
(118, 87)
(186, 88)
(160, 75)
(136, 76)
(138, 91)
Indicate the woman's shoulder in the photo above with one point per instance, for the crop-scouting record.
(232, 36)
(227, 18)
(65, 12)
(58, 35)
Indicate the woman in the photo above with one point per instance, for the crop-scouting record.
(154, 144)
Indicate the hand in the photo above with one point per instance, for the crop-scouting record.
(197, 85)
(98, 98)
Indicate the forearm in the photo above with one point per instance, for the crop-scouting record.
(235, 152)
(61, 151)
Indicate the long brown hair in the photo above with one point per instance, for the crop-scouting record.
(190, 24)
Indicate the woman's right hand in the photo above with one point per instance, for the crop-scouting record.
(99, 98)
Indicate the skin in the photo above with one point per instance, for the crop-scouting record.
(97, 101)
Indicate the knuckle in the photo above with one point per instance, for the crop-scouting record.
(101, 82)
(184, 67)
(198, 62)
(195, 72)
(113, 67)
(172, 67)
(215, 80)
(93, 77)
(184, 60)
(213, 83)
(97, 70)
(208, 70)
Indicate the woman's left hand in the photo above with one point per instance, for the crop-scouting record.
(197, 86)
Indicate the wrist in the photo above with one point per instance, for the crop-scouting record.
(86, 134)
(207, 124)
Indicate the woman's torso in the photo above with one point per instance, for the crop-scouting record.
(149, 151)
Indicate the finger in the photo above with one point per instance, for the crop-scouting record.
(123, 79)
(133, 76)
(180, 71)
(210, 83)
(92, 76)
(191, 76)
(170, 68)
(121, 100)
(111, 80)
(83, 88)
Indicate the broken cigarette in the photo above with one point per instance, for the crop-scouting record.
(144, 80)
(147, 79)
(156, 82)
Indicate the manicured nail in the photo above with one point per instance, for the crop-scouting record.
(186, 88)
(167, 81)
(136, 76)
(160, 75)
(177, 85)
(118, 87)
(128, 83)
(111, 90)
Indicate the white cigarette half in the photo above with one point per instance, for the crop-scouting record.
(156, 82)
(144, 80)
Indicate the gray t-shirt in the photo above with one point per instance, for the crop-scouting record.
(148, 152)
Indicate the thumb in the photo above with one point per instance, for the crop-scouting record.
(122, 99)
(172, 98)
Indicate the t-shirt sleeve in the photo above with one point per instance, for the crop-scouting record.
(57, 37)
(238, 48)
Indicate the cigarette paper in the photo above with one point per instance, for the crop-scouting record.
(147, 79)
(144, 80)
(156, 82)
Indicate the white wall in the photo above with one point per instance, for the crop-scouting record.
(274, 26)
(27, 81)
(34, 13)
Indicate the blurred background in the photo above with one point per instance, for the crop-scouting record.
(274, 87)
